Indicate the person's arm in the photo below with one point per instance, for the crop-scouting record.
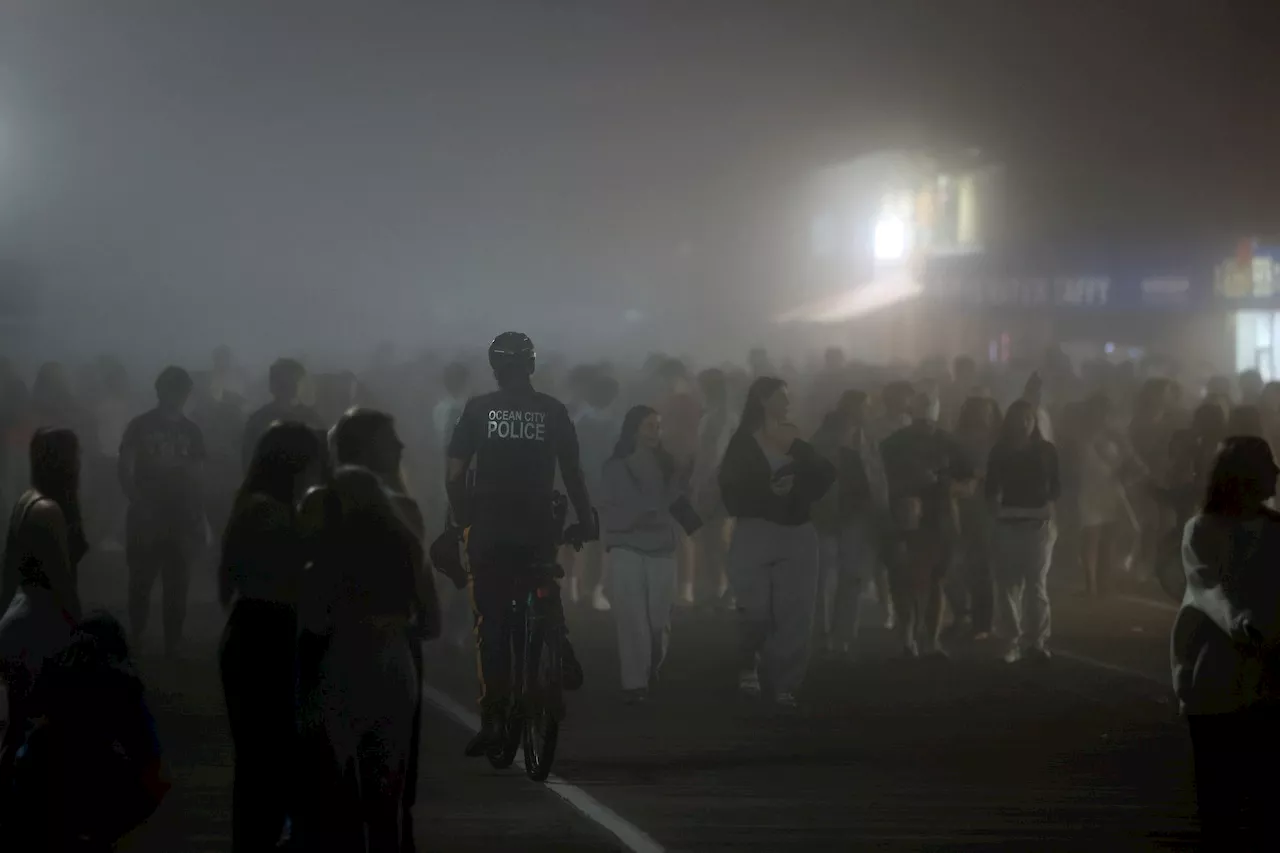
(1207, 560)
(49, 540)
(126, 462)
(462, 448)
(575, 485)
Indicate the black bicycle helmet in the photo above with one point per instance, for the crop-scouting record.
(512, 353)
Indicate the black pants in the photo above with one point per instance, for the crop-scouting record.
(1235, 773)
(257, 658)
(492, 591)
(152, 555)
(415, 747)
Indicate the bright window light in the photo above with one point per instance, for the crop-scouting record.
(890, 239)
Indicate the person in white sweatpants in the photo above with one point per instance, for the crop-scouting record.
(639, 487)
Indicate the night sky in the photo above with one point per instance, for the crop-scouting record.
(586, 150)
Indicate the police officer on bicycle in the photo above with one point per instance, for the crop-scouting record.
(516, 437)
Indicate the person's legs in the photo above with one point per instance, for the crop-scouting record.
(491, 591)
(1010, 581)
(1221, 787)
(407, 844)
(858, 557)
(828, 585)
(1039, 558)
(749, 558)
(1090, 545)
(902, 589)
(981, 586)
(175, 571)
(144, 565)
(661, 584)
(629, 595)
(257, 684)
(793, 582)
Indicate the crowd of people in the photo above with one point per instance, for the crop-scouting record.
(944, 493)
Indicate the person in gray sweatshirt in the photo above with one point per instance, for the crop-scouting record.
(640, 485)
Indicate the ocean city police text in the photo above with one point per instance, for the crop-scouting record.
(508, 423)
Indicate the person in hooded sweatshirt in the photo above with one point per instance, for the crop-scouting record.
(1225, 647)
(638, 488)
(770, 480)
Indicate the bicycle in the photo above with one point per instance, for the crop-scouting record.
(537, 690)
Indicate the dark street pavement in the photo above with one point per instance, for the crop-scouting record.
(882, 754)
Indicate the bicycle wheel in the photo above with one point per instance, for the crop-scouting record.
(542, 703)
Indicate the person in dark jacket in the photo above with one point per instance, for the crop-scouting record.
(770, 480)
(925, 469)
(1022, 486)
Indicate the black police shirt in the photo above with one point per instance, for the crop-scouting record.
(516, 437)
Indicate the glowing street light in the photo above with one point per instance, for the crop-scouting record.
(890, 243)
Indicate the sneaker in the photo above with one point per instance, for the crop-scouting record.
(635, 697)
(598, 601)
(911, 651)
(749, 683)
(785, 700)
(570, 669)
(1013, 655)
(491, 737)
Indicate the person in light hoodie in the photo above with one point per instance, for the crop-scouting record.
(1225, 643)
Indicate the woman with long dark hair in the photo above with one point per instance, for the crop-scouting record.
(1022, 486)
(259, 577)
(639, 485)
(38, 593)
(770, 480)
(1225, 668)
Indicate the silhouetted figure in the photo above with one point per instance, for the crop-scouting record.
(924, 467)
(38, 596)
(259, 580)
(1226, 671)
(161, 460)
(770, 480)
(368, 438)
(517, 437)
(91, 769)
(357, 706)
(285, 382)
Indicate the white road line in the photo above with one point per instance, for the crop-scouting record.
(1166, 606)
(631, 836)
(1111, 667)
